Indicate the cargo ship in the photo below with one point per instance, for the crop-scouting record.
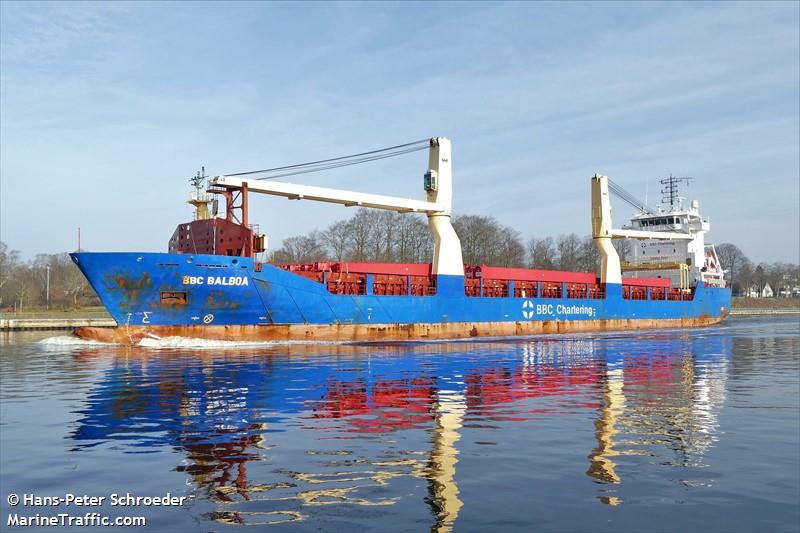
(213, 283)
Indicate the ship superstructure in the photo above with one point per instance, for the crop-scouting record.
(681, 260)
(214, 283)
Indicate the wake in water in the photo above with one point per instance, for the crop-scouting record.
(70, 340)
(197, 343)
(177, 342)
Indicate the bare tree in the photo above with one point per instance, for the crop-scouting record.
(22, 291)
(71, 282)
(360, 240)
(412, 239)
(542, 253)
(421, 242)
(589, 256)
(746, 276)
(41, 264)
(382, 235)
(337, 238)
(778, 276)
(475, 235)
(9, 262)
(624, 248)
(760, 277)
(569, 252)
(301, 249)
(512, 252)
(486, 241)
(734, 262)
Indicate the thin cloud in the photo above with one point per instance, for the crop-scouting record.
(121, 103)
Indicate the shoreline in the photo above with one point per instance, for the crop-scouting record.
(54, 324)
(742, 311)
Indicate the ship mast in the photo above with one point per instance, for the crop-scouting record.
(199, 198)
(669, 191)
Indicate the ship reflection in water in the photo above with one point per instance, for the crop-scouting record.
(280, 434)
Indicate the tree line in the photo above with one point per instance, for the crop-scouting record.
(745, 275)
(30, 284)
(385, 236)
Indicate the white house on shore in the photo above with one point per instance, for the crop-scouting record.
(759, 292)
(790, 292)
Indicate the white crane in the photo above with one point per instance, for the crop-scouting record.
(447, 259)
(603, 232)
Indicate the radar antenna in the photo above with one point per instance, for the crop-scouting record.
(669, 191)
(198, 180)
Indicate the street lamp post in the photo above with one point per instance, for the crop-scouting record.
(48, 288)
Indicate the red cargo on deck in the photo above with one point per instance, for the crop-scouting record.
(527, 274)
(646, 282)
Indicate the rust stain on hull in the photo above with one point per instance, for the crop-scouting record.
(130, 287)
(382, 332)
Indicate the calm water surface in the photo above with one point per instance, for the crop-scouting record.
(647, 431)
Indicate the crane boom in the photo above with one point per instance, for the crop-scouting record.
(447, 257)
(294, 191)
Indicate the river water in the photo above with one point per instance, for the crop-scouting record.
(674, 430)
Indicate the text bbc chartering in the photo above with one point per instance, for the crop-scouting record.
(114, 499)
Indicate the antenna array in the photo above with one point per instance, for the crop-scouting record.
(198, 180)
(669, 191)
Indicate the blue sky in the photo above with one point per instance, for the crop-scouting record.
(107, 109)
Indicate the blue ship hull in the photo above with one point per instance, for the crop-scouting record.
(160, 289)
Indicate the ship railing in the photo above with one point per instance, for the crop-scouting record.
(656, 293)
(340, 282)
(641, 291)
(203, 197)
(525, 289)
(493, 288)
(343, 283)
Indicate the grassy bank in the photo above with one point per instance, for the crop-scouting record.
(765, 303)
